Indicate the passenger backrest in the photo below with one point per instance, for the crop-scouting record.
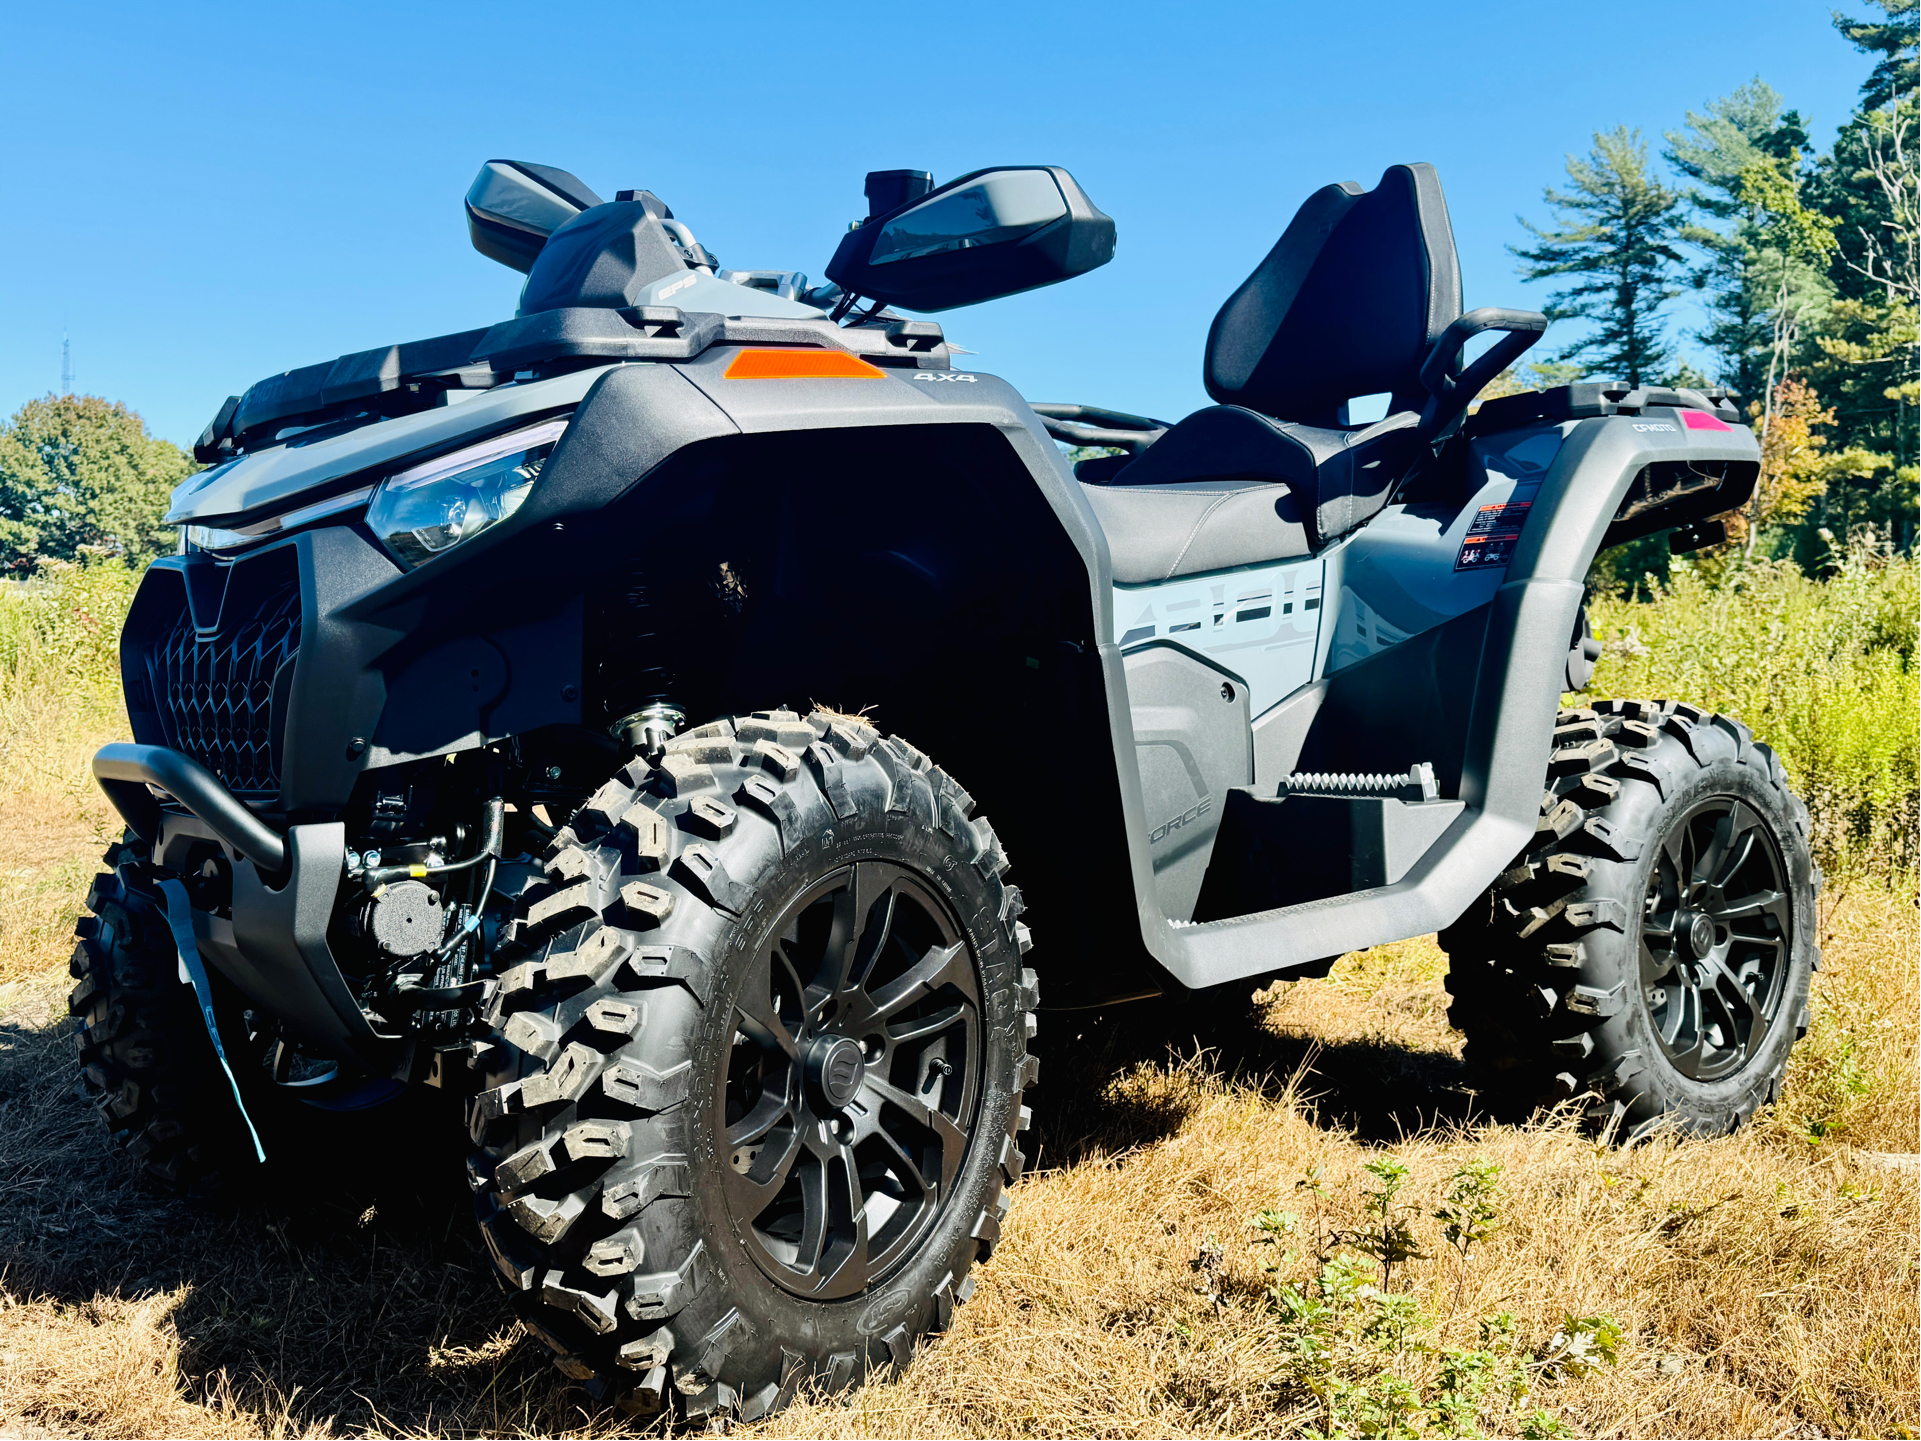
(1347, 303)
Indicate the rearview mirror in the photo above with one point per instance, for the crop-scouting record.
(513, 206)
(985, 235)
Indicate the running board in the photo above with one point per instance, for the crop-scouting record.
(1316, 847)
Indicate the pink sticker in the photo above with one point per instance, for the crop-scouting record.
(1701, 420)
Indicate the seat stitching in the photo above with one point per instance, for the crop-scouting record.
(1201, 521)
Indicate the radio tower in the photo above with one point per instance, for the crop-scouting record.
(66, 365)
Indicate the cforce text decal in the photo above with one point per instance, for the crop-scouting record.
(1185, 818)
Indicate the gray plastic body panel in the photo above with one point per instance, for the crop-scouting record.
(1260, 624)
(1402, 573)
(1191, 743)
(257, 483)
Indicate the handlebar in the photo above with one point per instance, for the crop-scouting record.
(1451, 394)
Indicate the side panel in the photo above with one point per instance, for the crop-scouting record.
(1416, 566)
(1191, 744)
(1515, 689)
(1258, 624)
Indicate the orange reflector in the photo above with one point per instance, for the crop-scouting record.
(801, 365)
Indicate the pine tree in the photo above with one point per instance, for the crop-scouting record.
(1615, 247)
(1863, 360)
(1895, 74)
(1739, 275)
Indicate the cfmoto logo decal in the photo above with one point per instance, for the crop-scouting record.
(1655, 425)
(1185, 818)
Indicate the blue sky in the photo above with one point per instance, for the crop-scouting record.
(203, 195)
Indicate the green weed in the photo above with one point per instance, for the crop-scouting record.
(1822, 670)
(1368, 1357)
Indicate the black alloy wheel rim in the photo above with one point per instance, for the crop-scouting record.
(1716, 928)
(853, 1080)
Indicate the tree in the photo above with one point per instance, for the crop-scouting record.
(1716, 149)
(1862, 366)
(77, 472)
(1894, 40)
(1862, 361)
(1790, 242)
(1615, 245)
(1797, 465)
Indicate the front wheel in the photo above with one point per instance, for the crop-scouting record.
(1652, 950)
(754, 1097)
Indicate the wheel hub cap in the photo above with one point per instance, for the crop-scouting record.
(836, 1067)
(1701, 936)
(1717, 926)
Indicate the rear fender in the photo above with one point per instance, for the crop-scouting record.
(1505, 717)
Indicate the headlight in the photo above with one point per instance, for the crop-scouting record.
(433, 507)
(202, 537)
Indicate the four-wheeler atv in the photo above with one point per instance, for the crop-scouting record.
(503, 728)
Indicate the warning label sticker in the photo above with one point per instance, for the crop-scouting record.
(1491, 536)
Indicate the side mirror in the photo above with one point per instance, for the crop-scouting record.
(985, 235)
(514, 206)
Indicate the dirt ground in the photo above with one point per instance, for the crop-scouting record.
(1764, 1284)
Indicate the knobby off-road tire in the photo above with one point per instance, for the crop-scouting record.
(145, 1060)
(150, 1069)
(1651, 951)
(755, 1096)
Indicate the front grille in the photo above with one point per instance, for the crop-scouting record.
(215, 694)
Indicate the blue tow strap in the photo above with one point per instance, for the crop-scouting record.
(194, 973)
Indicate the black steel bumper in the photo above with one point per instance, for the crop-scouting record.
(125, 772)
(273, 944)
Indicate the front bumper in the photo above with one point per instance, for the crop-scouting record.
(272, 944)
(290, 669)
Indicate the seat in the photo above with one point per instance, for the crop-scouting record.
(1351, 301)
(1158, 532)
(1338, 477)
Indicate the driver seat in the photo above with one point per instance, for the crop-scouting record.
(1350, 302)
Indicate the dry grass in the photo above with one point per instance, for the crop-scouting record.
(1766, 1283)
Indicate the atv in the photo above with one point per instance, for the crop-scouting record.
(520, 727)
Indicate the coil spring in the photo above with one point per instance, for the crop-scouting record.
(1420, 778)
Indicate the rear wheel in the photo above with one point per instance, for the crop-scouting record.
(1652, 950)
(754, 1101)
